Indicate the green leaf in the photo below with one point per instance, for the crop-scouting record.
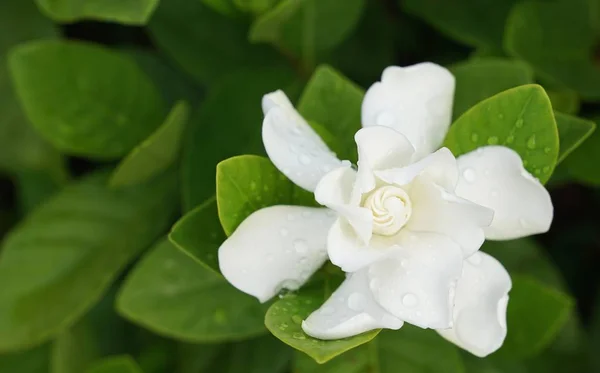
(68, 92)
(564, 100)
(133, 12)
(557, 39)
(305, 27)
(200, 244)
(36, 360)
(409, 349)
(572, 132)
(535, 315)
(333, 101)
(171, 294)
(284, 319)
(479, 79)
(61, 259)
(265, 354)
(205, 44)
(478, 23)
(229, 123)
(35, 187)
(520, 118)
(248, 183)
(582, 163)
(225, 7)
(255, 6)
(154, 154)
(116, 364)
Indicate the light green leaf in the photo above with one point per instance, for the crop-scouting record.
(115, 364)
(61, 259)
(305, 27)
(582, 164)
(409, 349)
(535, 315)
(36, 360)
(154, 154)
(557, 39)
(229, 123)
(171, 294)
(200, 244)
(479, 79)
(133, 12)
(249, 183)
(572, 131)
(334, 102)
(207, 45)
(284, 319)
(520, 118)
(225, 7)
(68, 92)
(255, 6)
(478, 23)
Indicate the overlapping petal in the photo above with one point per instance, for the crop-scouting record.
(494, 176)
(349, 311)
(276, 247)
(415, 101)
(292, 145)
(480, 306)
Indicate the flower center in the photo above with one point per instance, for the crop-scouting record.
(391, 209)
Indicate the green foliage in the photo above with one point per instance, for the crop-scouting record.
(572, 132)
(134, 12)
(581, 164)
(117, 364)
(519, 118)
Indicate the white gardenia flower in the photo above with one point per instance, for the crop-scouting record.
(406, 225)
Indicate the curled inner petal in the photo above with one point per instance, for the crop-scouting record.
(391, 208)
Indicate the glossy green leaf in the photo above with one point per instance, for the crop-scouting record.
(133, 12)
(479, 79)
(68, 92)
(225, 7)
(557, 39)
(36, 360)
(154, 154)
(205, 43)
(333, 101)
(406, 350)
(305, 27)
(200, 244)
(520, 118)
(116, 364)
(572, 132)
(229, 123)
(171, 294)
(582, 164)
(478, 23)
(265, 354)
(61, 259)
(249, 183)
(284, 319)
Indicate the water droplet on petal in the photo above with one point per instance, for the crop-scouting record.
(356, 302)
(469, 175)
(385, 118)
(523, 223)
(284, 232)
(404, 263)
(304, 159)
(327, 311)
(475, 259)
(306, 214)
(296, 131)
(374, 284)
(291, 217)
(410, 300)
(300, 246)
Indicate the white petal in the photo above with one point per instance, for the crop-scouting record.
(436, 210)
(292, 145)
(416, 101)
(380, 148)
(274, 248)
(349, 311)
(415, 283)
(440, 167)
(480, 306)
(493, 176)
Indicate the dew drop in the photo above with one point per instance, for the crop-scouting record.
(300, 246)
(293, 148)
(297, 319)
(284, 232)
(531, 142)
(253, 185)
(325, 168)
(327, 311)
(470, 175)
(404, 263)
(296, 131)
(306, 214)
(523, 223)
(500, 116)
(546, 169)
(492, 140)
(283, 326)
(410, 300)
(547, 150)
(519, 123)
(291, 217)
(374, 284)
(303, 261)
(298, 335)
(304, 159)
(385, 118)
(356, 302)
(510, 139)
(474, 137)
(266, 188)
(475, 259)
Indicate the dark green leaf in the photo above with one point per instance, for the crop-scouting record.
(154, 154)
(116, 364)
(134, 12)
(582, 164)
(520, 118)
(171, 294)
(62, 258)
(68, 92)
(572, 132)
(564, 100)
(36, 360)
(255, 6)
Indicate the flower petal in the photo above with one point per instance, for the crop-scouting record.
(292, 145)
(415, 283)
(440, 167)
(349, 311)
(436, 210)
(380, 148)
(493, 176)
(275, 247)
(480, 306)
(415, 101)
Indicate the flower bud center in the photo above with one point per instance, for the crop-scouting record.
(391, 209)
